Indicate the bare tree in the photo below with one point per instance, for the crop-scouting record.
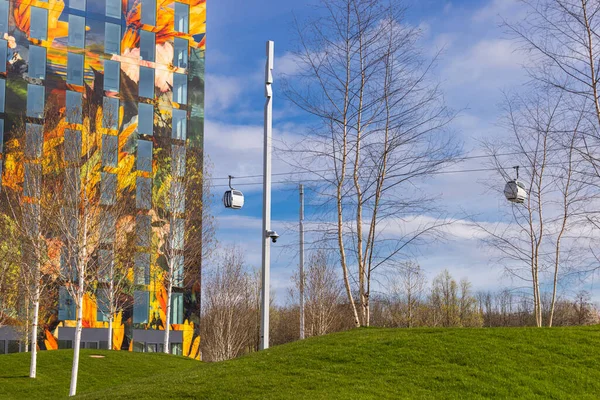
(405, 286)
(381, 128)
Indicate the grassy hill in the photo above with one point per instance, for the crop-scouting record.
(365, 363)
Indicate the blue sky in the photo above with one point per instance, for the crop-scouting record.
(478, 63)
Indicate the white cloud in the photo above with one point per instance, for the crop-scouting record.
(222, 92)
(496, 8)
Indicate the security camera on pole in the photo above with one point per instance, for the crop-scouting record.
(267, 233)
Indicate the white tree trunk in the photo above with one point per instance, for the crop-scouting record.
(77, 343)
(168, 316)
(34, 330)
(110, 332)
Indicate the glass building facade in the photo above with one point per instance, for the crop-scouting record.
(131, 74)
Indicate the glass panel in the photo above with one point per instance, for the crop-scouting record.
(139, 347)
(142, 229)
(72, 145)
(180, 52)
(105, 265)
(1, 139)
(66, 305)
(34, 141)
(142, 269)
(149, 12)
(14, 346)
(108, 188)
(177, 233)
(104, 344)
(74, 107)
(151, 347)
(2, 94)
(144, 156)
(143, 193)
(32, 181)
(112, 75)
(178, 268)
(112, 38)
(32, 218)
(179, 124)
(65, 344)
(146, 86)
(75, 69)
(2, 346)
(177, 308)
(103, 306)
(4, 16)
(147, 45)
(176, 349)
(3, 54)
(178, 160)
(177, 197)
(145, 118)
(76, 31)
(182, 12)
(111, 112)
(110, 153)
(39, 23)
(37, 62)
(35, 101)
(113, 8)
(93, 345)
(108, 228)
(77, 4)
(180, 88)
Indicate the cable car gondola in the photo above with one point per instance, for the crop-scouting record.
(233, 198)
(515, 190)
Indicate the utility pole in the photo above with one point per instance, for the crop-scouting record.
(266, 245)
(301, 261)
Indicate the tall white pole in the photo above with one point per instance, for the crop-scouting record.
(266, 247)
(301, 261)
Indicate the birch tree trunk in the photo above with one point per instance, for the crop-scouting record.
(34, 330)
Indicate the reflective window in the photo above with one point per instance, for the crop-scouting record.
(177, 197)
(66, 305)
(2, 94)
(38, 28)
(147, 45)
(37, 62)
(177, 230)
(145, 118)
(113, 8)
(180, 88)
(31, 218)
(177, 308)
(35, 101)
(75, 69)
(112, 75)
(108, 229)
(110, 112)
(141, 301)
(110, 151)
(4, 16)
(178, 160)
(180, 52)
(77, 4)
(73, 103)
(72, 145)
(3, 55)
(32, 184)
(108, 188)
(72, 185)
(144, 156)
(1, 138)
(76, 31)
(112, 38)
(146, 86)
(142, 269)
(34, 141)
(182, 12)
(179, 125)
(105, 264)
(178, 270)
(143, 193)
(143, 228)
(149, 12)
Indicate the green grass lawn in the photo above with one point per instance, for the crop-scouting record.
(365, 363)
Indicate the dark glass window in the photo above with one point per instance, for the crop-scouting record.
(111, 112)
(177, 233)
(179, 124)
(180, 88)
(180, 52)
(77, 4)
(72, 145)
(76, 31)
(112, 38)
(73, 107)
(143, 193)
(2, 94)
(32, 185)
(38, 28)
(34, 141)
(182, 12)
(145, 118)
(113, 8)
(105, 265)
(3, 16)
(143, 229)
(144, 156)
(142, 269)
(149, 12)
(103, 307)
(3, 54)
(110, 150)
(13, 346)
(147, 45)
(36, 68)
(65, 344)
(146, 86)
(35, 101)
(1, 139)
(112, 75)
(66, 305)
(75, 69)
(108, 188)
(177, 308)
(178, 270)
(108, 227)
